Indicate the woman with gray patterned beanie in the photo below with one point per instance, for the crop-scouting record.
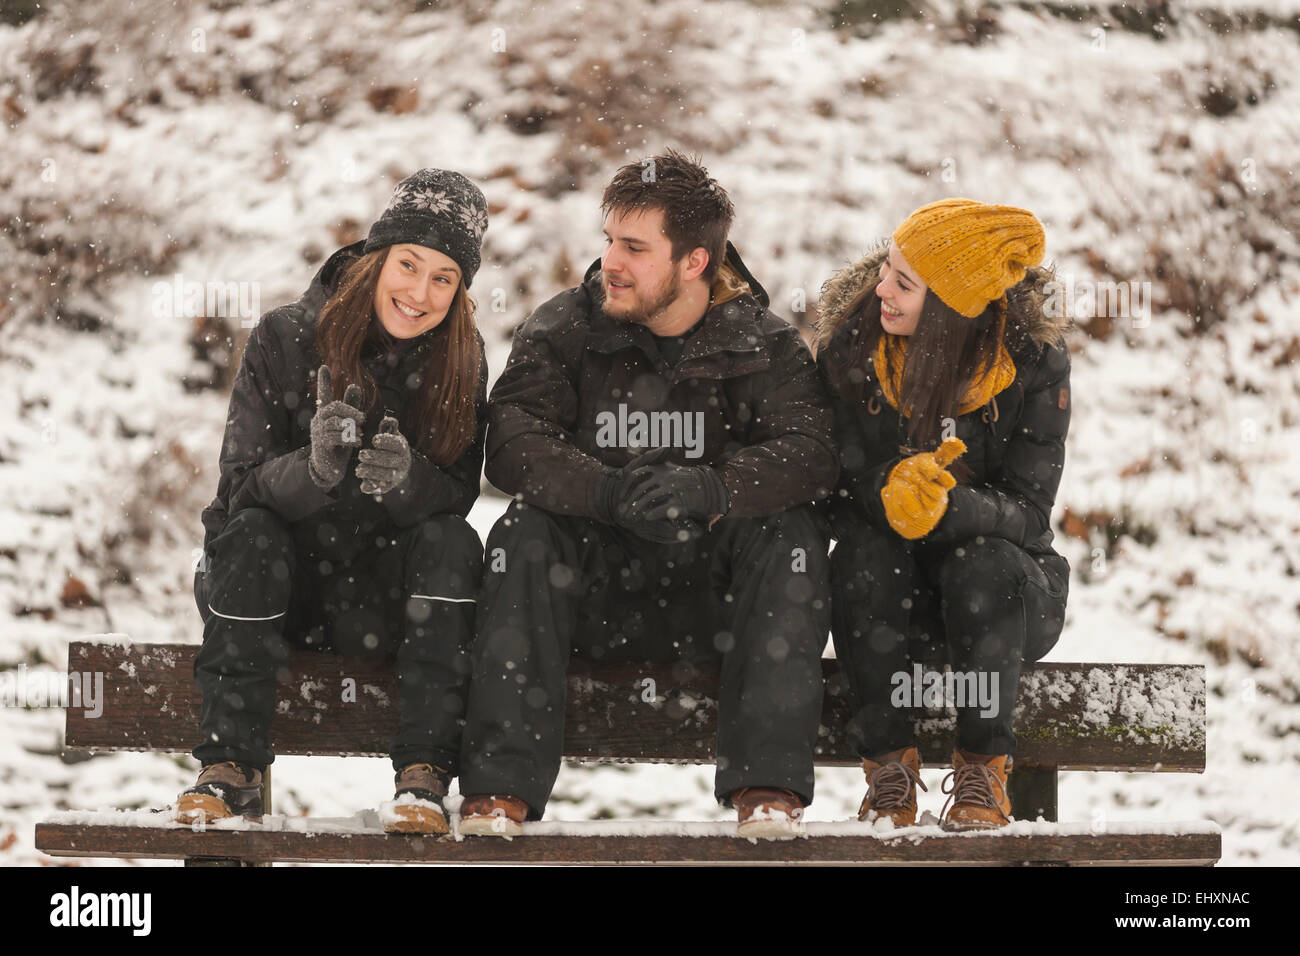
(352, 454)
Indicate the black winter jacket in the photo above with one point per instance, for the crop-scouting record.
(267, 441)
(1015, 444)
(767, 424)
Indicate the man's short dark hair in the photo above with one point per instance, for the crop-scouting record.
(696, 210)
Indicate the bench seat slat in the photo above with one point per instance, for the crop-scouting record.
(281, 846)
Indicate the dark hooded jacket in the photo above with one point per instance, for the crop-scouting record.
(267, 441)
(767, 424)
(1015, 443)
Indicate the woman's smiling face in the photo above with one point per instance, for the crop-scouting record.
(415, 290)
(902, 293)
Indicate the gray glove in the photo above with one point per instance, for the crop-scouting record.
(386, 463)
(332, 438)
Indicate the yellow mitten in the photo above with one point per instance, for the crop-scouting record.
(916, 494)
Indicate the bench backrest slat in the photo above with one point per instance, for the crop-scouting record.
(1069, 716)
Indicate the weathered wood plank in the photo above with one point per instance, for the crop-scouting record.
(1070, 716)
(281, 846)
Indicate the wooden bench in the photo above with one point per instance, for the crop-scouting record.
(1117, 717)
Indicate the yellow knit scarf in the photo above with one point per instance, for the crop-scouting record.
(989, 381)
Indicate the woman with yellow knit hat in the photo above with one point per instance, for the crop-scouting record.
(952, 400)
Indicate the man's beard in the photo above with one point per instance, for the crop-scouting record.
(643, 311)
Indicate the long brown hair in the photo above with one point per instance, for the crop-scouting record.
(944, 355)
(441, 422)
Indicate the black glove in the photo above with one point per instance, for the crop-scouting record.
(612, 495)
(386, 463)
(330, 450)
(662, 490)
(665, 532)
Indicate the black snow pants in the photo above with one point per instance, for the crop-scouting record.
(408, 595)
(982, 606)
(753, 593)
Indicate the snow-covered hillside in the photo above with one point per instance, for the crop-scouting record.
(241, 143)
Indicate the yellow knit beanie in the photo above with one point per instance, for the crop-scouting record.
(970, 252)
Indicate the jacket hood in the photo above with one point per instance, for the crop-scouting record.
(327, 276)
(732, 273)
(1025, 316)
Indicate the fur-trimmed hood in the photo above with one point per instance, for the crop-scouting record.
(1025, 316)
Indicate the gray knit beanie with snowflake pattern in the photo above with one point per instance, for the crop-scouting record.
(439, 209)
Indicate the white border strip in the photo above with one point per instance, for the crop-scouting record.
(231, 617)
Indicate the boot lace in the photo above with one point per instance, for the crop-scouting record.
(972, 784)
(423, 775)
(890, 786)
(227, 771)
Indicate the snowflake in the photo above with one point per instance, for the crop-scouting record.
(405, 195)
(474, 219)
(439, 201)
(422, 197)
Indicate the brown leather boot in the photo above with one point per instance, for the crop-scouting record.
(488, 815)
(979, 792)
(224, 789)
(892, 780)
(768, 812)
(423, 785)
